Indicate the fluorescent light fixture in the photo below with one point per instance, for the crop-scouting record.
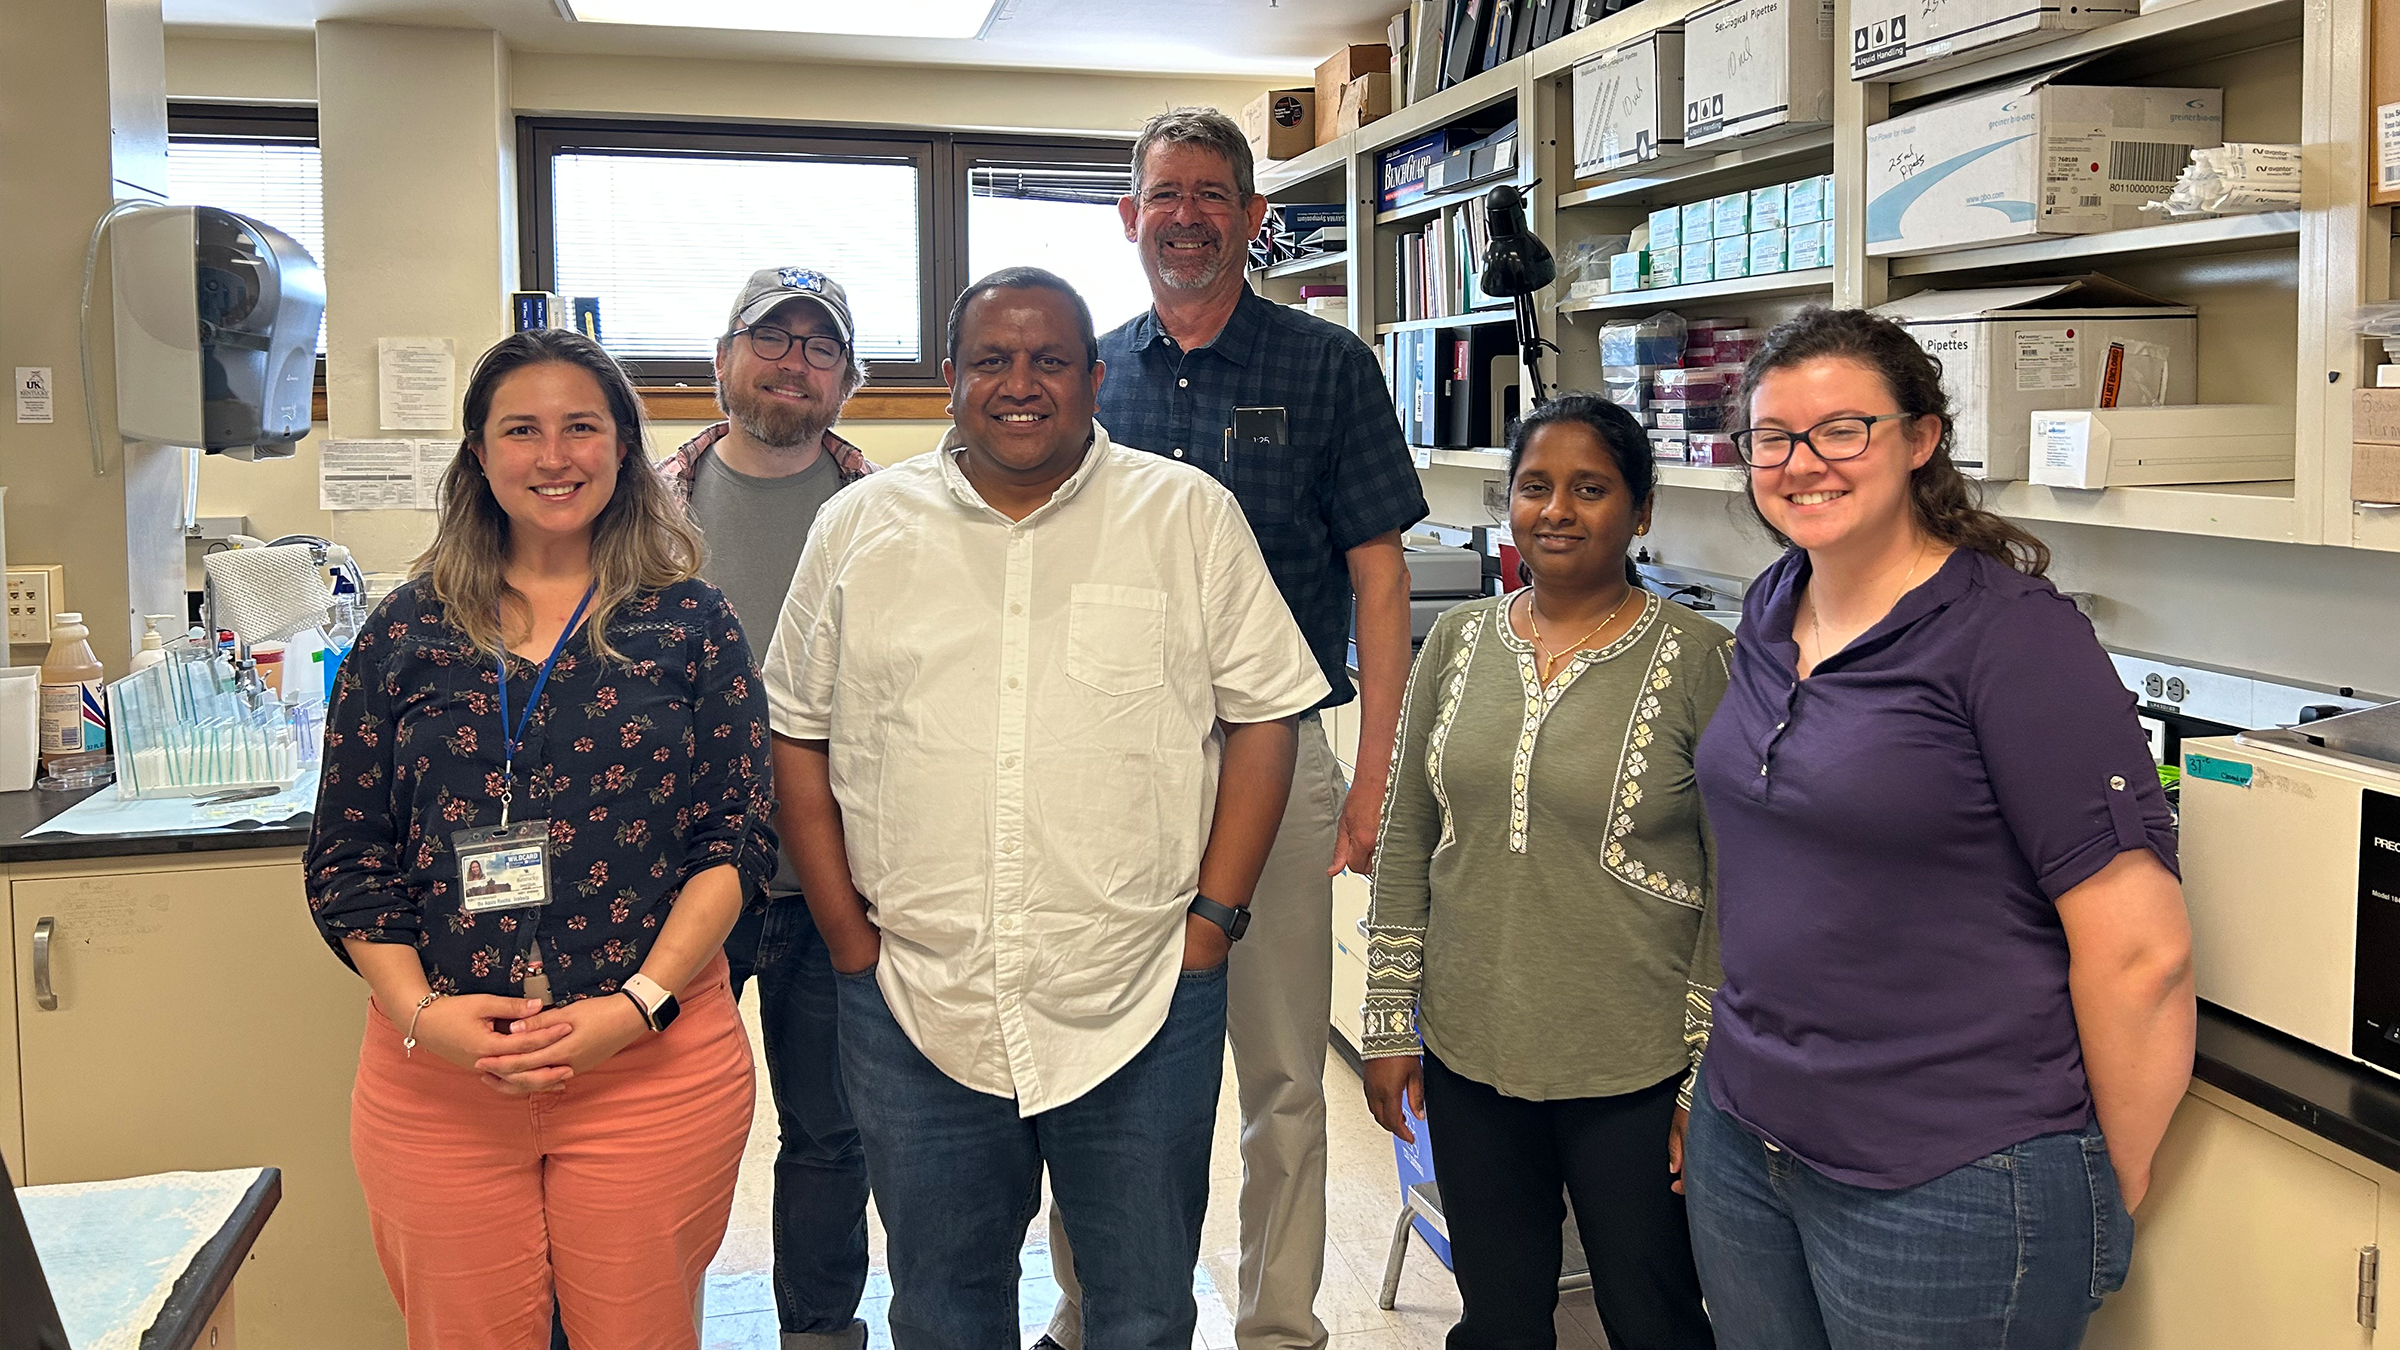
(880, 18)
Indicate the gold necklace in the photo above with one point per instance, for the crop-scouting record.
(1549, 665)
(1816, 629)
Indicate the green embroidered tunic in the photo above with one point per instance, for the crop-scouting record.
(1542, 896)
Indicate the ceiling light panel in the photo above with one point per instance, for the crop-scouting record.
(881, 18)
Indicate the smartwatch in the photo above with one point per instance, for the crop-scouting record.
(1235, 922)
(658, 1006)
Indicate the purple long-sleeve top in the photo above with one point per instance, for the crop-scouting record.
(1893, 835)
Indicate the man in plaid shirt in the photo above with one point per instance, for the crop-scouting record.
(1327, 501)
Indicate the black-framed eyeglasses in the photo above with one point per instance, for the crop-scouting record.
(771, 344)
(1832, 439)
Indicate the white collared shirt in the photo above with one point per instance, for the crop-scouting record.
(1022, 725)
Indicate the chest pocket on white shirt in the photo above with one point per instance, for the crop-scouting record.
(1117, 637)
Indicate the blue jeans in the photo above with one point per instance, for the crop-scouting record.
(820, 1170)
(958, 1176)
(2009, 1252)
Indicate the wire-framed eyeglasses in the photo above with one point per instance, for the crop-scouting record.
(1835, 438)
(771, 344)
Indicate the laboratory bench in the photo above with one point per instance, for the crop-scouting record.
(182, 1014)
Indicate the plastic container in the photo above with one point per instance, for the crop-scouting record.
(1655, 341)
(1712, 448)
(74, 719)
(20, 726)
(268, 657)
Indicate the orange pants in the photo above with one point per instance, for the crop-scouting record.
(614, 1192)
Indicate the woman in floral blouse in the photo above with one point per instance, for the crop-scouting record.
(535, 873)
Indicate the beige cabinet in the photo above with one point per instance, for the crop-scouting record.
(200, 1023)
(2250, 1237)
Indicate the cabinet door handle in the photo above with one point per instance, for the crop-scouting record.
(44, 997)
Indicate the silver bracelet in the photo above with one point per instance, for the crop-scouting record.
(408, 1043)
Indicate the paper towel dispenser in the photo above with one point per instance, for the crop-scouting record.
(216, 327)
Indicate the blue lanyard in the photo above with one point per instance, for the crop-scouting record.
(513, 736)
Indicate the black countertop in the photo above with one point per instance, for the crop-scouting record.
(2336, 1099)
(23, 812)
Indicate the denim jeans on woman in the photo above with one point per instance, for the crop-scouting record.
(2009, 1252)
(957, 1176)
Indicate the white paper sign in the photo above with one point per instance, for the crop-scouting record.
(367, 476)
(33, 393)
(433, 460)
(417, 379)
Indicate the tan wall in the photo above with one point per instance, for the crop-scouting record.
(415, 184)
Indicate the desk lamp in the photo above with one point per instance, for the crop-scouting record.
(1517, 265)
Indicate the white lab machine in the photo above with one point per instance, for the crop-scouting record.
(2291, 872)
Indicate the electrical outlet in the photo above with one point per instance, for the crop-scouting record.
(34, 597)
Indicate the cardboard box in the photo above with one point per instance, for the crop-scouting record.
(1808, 200)
(1663, 265)
(1730, 214)
(2196, 443)
(1630, 270)
(1666, 227)
(1732, 257)
(2375, 416)
(2024, 160)
(1337, 71)
(1699, 221)
(2374, 472)
(1281, 123)
(2383, 97)
(1889, 38)
(1362, 101)
(1694, 266)
(1754, 66)
(1808, 246)
(2009, 351)
(1628, 104)
(1766, 208)
(1767, 252)
(1405, 169)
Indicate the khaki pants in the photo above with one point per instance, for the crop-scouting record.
(1279, 1012)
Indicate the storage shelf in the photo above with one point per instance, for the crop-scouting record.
(2179, 238)
(1300, 267)
(1684, 175)
(2185, 34)
(1497, 85)
(2221, 510)
(1468, 320)
(1494, 460)
(1282, 175)
(1426, 206)
(1705, 477)
(1776, 283)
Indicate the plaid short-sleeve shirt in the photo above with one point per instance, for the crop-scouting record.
(1343, 477)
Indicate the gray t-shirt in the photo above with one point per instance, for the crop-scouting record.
(755, 529)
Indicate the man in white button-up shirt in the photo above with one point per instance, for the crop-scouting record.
(1032, 698)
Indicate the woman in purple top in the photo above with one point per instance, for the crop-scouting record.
(1957, 1007)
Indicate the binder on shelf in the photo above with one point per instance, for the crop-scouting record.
(1424, 52)
(1473, 355)
(587, 316)
(1496, 33)
(541, 309)
(1520, 38)
(1463, 38)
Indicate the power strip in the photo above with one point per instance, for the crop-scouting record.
(34, 597)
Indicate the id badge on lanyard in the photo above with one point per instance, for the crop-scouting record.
(507, 866)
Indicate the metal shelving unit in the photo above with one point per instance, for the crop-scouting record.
(1667, 297)
(2174, 239)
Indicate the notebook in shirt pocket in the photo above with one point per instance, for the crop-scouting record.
(1117, 637)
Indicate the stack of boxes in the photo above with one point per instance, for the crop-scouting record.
(1783, 227)
(1680, 379)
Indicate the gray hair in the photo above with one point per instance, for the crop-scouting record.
(1206, 128)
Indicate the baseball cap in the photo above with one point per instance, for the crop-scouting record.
(771, 286)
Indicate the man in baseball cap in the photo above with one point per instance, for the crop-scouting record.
(786, 363)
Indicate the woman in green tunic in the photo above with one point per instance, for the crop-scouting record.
(1541, 919)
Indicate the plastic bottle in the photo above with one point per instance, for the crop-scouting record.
(154, 647)
(74, 717)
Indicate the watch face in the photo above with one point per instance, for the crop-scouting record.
(1239, 926)
(666, 1014)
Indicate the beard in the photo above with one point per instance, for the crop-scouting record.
(776, 425)
(1198, 272)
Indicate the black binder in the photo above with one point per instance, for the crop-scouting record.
(1462, 44)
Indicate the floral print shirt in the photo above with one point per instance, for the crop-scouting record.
(649, 771)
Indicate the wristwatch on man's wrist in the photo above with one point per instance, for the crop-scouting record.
(1234, 921)
(658, 1007)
